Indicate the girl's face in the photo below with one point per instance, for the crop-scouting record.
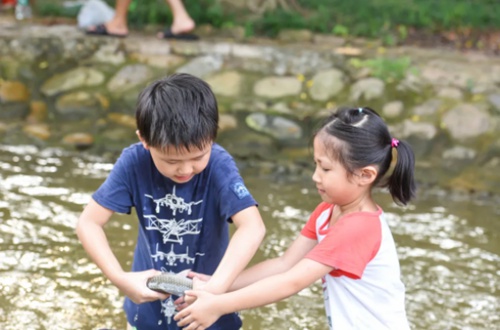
(335, 185)
(180, 165)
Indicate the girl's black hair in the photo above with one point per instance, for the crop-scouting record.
(179, 110)
(362, 139)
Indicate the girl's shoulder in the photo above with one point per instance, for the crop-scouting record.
(322, 207)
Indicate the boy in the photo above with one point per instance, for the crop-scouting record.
(185, 189)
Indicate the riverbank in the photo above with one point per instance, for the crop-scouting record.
(59, 87)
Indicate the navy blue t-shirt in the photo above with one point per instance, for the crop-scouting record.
(182, 226)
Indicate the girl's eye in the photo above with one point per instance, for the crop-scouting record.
(320, 167)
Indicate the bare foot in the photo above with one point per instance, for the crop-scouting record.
(180, 26)
(112, 28)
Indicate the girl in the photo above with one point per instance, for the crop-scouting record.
(346, 242)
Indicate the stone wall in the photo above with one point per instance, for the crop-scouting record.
(59, 87)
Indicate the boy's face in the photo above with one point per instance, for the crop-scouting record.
(180, 165)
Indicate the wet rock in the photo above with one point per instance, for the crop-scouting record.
(226, 83)
(111, 52)
(477, 78)
(147, 46)
(450, 93)
(186, 48)
(459, 153)
(15, 110)
(79, 140)
(222, 49)
(77, 105)
(393, 109)
(422, 130)
(276, 87)
(227, 122)
(129, 77)
(248, 145)
(467, 121)
(76, 78)
(13, 91)
(494, 100)
(278, 127)
(428, 108)
(411, 83)
(328, 40)
(38, 112)
(297, 60)
(326, 84)
(281, 108)
(122, 119)
(160, 61)
(367, 89)
(202, 66)
(9, 67)
(38, 130)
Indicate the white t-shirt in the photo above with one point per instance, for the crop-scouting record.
(364, 290)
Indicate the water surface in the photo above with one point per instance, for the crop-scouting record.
(448, 245)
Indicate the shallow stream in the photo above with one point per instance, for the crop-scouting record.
(449, 247)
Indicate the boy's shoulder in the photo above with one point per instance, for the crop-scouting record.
(135, 154)
(220, 154)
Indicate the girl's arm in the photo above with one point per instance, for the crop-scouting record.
(208, 307)
(245, 241)
(299, 248)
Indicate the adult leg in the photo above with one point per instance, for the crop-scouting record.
(118, 24)
(182, 22)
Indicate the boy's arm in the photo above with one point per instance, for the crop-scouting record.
(208, 307)
(90, 231)
(245, 241)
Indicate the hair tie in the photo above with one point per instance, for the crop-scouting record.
(394, 143)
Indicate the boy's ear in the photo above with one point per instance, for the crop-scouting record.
(144, 144)
(367, 175)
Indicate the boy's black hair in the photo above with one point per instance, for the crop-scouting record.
(177, 111)
(363, 139)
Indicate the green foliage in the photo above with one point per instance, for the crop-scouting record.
(340, 30)
(389, 20)
(53, 9)
(388, 69)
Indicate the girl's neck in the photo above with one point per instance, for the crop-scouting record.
(363, 205)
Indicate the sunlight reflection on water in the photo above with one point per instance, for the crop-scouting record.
(449, 250)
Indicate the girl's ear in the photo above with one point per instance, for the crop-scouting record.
(144, 144)
(367, 175)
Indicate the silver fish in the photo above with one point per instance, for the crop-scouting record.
(170, 283)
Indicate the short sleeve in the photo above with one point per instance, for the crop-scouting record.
(309, 229)
(233, 194)
(349, 245)
(115, 193)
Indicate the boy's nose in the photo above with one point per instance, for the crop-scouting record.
(184, 169)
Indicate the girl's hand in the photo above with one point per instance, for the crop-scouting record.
(133, 285)
(186, 300)
(201, 314)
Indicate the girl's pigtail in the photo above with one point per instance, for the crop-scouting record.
(401, 183)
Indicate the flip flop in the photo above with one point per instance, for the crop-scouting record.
(167, 34)
(100, 30)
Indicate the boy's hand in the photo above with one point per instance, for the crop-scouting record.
(201, 314)
(133, 285)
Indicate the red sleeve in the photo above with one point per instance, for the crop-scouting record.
(309, 229)
(349, 245)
